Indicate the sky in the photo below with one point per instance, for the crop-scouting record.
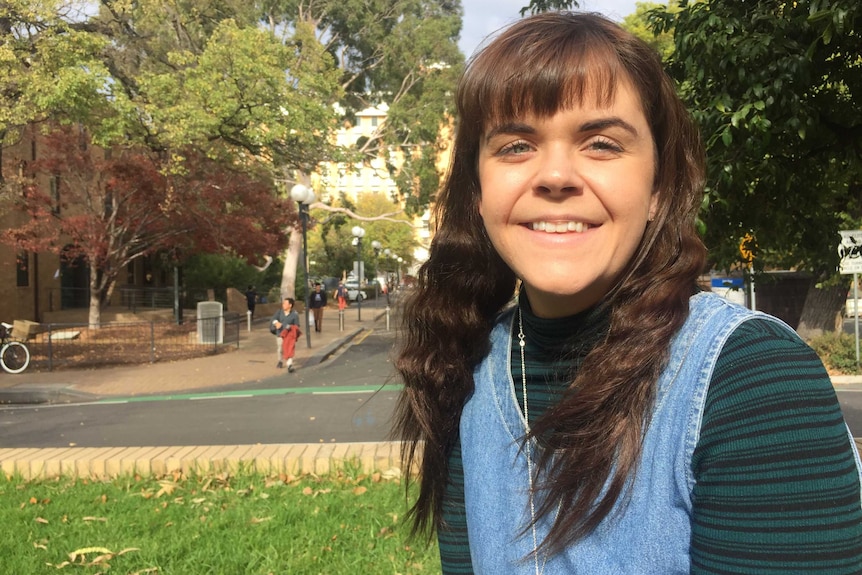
(484, 17)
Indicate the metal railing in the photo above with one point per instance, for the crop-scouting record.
(60, 346)
(135, 298)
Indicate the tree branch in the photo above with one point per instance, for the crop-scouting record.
(382, 217)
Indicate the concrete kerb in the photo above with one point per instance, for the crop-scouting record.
(157, 461)
(326, 352)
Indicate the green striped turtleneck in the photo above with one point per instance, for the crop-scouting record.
(777, 490)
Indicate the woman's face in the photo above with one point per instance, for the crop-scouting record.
(566, 198)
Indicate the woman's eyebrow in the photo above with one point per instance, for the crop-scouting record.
(605, 123)
(589, 126)
(510, 128)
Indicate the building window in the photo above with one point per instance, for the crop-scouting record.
(373, 121)
(22, 266)
(55, 194)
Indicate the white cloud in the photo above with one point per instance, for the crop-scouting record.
(486, 17)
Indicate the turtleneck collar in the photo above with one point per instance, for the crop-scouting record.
(555, 338)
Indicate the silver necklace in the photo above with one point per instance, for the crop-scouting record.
(522, 343)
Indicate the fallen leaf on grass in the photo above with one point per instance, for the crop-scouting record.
(360, 490)
(167, 488)
(41, 520)
(392, 473)
(102, 519)
(256, 520)
(79, 556)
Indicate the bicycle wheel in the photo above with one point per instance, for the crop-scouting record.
(15, 357)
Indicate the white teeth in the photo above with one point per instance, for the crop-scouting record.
(559, 227)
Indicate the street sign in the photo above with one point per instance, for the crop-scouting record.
(747, 245)
(850, 252)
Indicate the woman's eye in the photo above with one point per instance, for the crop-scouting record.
(605, 145)
(514, 148)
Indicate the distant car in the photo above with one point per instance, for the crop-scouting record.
(353, 291)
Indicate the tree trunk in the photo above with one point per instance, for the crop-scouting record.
(95, 315)
(291, 264)
(822, 311)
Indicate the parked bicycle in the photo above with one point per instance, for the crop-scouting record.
(14, 355)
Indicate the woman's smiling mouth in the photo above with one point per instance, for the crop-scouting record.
(558, 227)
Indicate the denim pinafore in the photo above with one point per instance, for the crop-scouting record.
(651, 534)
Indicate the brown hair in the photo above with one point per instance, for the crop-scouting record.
(540, 65)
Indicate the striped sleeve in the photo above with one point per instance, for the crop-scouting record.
(452, 537)
(777, 489)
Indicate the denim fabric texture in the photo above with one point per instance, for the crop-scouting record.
(649, 530)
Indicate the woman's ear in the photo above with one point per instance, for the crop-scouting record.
(653, 206)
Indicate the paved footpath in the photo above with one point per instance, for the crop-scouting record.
(254, 360)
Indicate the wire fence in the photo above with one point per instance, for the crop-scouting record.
(60, 346)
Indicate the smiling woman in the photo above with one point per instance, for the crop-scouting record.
(610, 418)
(585, 174)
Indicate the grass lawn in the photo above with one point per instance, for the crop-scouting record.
(240, 523)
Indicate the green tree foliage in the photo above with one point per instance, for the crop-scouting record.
(639, 25)
(775, 87)
(777, 107)
(537, 6)
(179, 85)
(205, 74)
(331, 247)
(402, 53)
(221, 271)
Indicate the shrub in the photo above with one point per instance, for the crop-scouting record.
(837, 351)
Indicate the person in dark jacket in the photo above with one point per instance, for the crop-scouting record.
(318, 302)
(251, 299)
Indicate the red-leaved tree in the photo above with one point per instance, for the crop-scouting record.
(110, 210)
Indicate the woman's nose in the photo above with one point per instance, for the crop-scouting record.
(558, 172)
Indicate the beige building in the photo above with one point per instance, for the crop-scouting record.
(29, 282)
(373, 177)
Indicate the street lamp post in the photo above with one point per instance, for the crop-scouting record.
(358, 233)
(376, 246)
(304, 196)
(387, 253)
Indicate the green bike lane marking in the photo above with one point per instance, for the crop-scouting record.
(334, 390)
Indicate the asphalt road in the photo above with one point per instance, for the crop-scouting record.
(348, 398)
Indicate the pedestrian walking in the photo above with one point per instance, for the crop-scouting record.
(341, 296)
(251, 300)
(318, 303)
(285, 326)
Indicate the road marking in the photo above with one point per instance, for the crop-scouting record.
(367, 333)
(243, 394)
(202, 397)
(247, 393)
